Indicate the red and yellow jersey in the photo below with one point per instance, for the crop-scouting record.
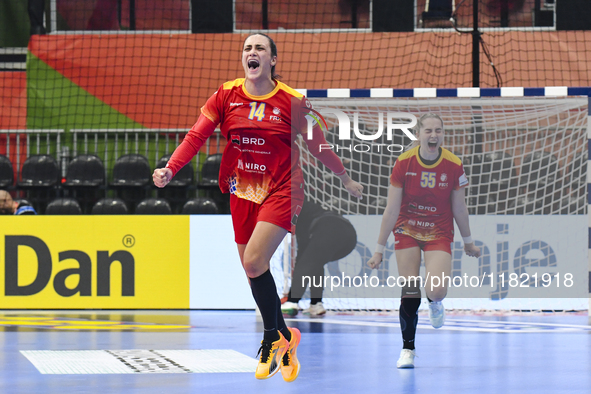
(261, 155)
(425, 212)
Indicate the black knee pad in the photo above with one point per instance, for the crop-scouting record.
(409, 305)
(411, 290)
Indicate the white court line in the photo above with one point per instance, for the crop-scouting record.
(485, 325)
(577, 326)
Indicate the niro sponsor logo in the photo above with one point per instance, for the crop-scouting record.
(421, 223)
(251, 167)
(236, 104)
(255, 167)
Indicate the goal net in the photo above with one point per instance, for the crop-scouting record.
(525, 158)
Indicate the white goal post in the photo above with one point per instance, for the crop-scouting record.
(524, 151)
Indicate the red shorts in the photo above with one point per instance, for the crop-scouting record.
(276, 209)
(403, 241)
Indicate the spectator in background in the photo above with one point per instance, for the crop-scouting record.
(36, 10)
(10, 207)
(322, 236)
(104, 16)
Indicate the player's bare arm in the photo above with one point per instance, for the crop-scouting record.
(388, 222)
(460, 212)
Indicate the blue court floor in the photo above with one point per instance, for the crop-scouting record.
(186, 352)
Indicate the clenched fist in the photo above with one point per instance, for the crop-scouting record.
(162, 176)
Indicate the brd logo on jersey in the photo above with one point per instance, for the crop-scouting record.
(253, 141)
(422, 207)
(235, 139)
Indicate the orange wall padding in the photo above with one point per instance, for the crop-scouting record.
(13, 113)
(163, 80)
(13, 100)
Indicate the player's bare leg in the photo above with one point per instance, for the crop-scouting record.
(255, 257)
(438, 271)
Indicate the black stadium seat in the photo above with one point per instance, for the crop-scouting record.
(493, 178)
(210, 174)
(39, 171)
(177, 191)
(183, 178)
(85, 178)
(85, 171)
(63, 206)
(539, 169)
(210, 171)
(6, 173)
(40, 177)
(201, 205)
(131, 178)
(131, 170)
(109, 206)
(153, 206)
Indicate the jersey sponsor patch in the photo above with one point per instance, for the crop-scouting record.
(296, 215)
(311, 119)
(463, 181)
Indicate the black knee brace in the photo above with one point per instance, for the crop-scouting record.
(410, 301)
(409, 305)
(411, 290)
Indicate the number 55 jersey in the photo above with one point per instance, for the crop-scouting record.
(425, 212)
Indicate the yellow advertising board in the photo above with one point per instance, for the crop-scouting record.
(106, 262)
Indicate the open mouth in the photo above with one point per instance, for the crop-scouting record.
(432, 144)
(253, 64)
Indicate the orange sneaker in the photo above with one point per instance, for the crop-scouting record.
(271, 355)
(290, 366)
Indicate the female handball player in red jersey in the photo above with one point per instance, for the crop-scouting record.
(260, 168)
(426, 194)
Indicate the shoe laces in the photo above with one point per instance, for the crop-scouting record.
(287, 358)
(265, 351)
